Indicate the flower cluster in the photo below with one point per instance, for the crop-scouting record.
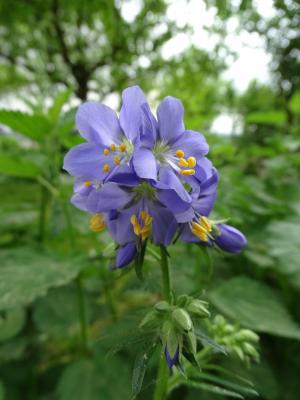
(146, 178)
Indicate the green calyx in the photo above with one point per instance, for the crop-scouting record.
(160, 150)
(144, 190)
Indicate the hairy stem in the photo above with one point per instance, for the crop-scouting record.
(160, 392)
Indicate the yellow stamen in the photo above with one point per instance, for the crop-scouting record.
(183, 163)
(192, 162)
(205, 221)
(113, 147)
(200, 235)
(187, 172)
(117, 160)
(87, 184)
(106, 152)
(199, 228)
(97, 223)
(179, 153)
(105, 168)
(122, 147)
(142, 230)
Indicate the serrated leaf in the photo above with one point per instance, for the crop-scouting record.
(12, 323)
(212, 389)
(13, 165)
(58, 103)
(93, 379)
(33, 126)
(26, 274)
(140, 366)
(254, 305)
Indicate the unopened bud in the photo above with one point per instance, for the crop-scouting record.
(182, 319)
(247, 335)
(198, 308)
(162, 306)
(183, 300)
(250, 350)
(150, 320)
(192, 341)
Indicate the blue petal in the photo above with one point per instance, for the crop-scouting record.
(149, 127)
(125, 254)
(192, 143)
(164, 224)
(131, 112)
(109, 197)
(120, 227)
(87, 160)
(170, 119)
(144, 163)
(171, 360)
(98, 123)
(230, 239)
(205, 199)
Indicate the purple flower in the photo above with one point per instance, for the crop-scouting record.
(166, 143)
(125, 254)
(110, 141)
(171, 359)
(200, 229)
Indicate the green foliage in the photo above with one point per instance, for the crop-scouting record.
(26, 274)
(255, 305)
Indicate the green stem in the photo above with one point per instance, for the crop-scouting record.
(165, 272)
(160, 392)
(162, 379)
(79, 285)
(82, 314)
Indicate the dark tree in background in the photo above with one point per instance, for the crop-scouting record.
(84, 44)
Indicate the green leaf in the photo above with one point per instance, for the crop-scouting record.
(140, 365)
(254, 305)
(57, 314)
(33, 126)
(26, 273)
(212, 389)
(274, 117)
(294, 103)
(12, 323)
(61, 99)
(95, 379)
(18, 166)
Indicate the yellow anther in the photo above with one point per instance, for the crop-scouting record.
(117, 160)
(205, 222)
(199, 228)
(183, 163)
(187, 172)
(87, 184)
(97, 223)
(133, 219)
(179, 153)
(200, 235)
(142, 230)
(105, 168)
(191, 162)
(113, 147)
(106, 152)
(122, 147)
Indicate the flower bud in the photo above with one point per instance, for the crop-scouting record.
(198, 308)
(162, 306)
(191, 341)
(183, 300)
(250, 350)
(150, 321)
(182, 319)
(247, 335)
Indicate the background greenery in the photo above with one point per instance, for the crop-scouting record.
(55, 53)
